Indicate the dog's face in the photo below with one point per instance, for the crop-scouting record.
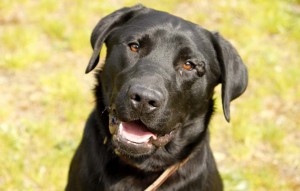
(158, 80)
(158, 76)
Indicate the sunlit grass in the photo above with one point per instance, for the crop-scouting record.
(46, 98)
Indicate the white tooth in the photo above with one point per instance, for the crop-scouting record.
(120, 127)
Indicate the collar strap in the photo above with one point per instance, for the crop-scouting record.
(165, 175)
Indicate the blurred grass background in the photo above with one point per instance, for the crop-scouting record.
(45, 97)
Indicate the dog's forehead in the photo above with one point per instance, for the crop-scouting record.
(153, 19)
(162, 25)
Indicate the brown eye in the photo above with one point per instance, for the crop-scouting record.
(188, 65)
(134, 47)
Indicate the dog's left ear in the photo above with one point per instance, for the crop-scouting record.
(234, 75)
(104, 28)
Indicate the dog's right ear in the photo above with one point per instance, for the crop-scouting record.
(105, 26)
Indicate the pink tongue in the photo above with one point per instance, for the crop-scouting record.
(135, 132)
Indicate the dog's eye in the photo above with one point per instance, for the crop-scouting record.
(188, 65)
(134, 47)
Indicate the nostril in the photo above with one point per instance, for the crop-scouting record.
(135, 97)
(153, 103)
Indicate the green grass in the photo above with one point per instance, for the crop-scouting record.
(46, 98)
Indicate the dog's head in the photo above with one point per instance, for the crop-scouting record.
(158, 79)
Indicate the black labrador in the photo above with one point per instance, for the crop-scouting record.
(149, 129)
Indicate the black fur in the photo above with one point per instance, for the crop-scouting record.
(146, 80)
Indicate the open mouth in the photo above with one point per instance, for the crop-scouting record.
(134, 138)
(135, 132)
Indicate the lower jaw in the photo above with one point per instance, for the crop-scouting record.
(130, 149)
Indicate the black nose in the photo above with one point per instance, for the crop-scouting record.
(144, 99)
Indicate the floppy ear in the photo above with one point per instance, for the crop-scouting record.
(105, 26)
(234, 75)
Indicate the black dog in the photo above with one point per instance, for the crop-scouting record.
(154, 103)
